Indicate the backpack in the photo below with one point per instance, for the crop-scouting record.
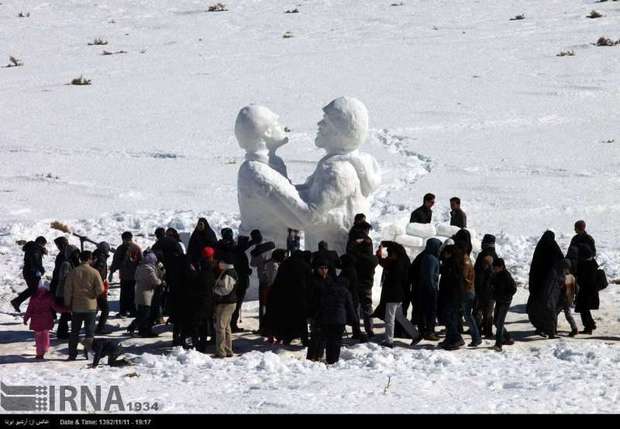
(224, 284)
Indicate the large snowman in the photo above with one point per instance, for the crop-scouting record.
(325, 205)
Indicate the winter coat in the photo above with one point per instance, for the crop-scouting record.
(421, 215)
(365, 263)
(241, 262)
(198, 297)
(60, 259)
(545, 284)
(41, 310)
(100, 263)
(147, 280)
(424, 278)
(458, 218)
(82, 287)
(451, 286)
(229, 275)
(335, 304)
(578, 240)
(259, 257)
(483, 269)
(126, 260)
(33, 260)
(168, 252)
(288, 298)
(469, 276)
(71, 261)
(199, 240)
(503, 287)
(348, 276)
(587, 297)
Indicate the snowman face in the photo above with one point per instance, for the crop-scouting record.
(327, 135)
(275, 135)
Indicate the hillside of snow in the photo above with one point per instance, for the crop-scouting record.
(463, 101)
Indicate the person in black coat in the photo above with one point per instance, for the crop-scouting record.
(581, 238)
(359, 229)
(484, 303)
(450, 294)
(587, 296)
(333, 312)
(545, 284)
(503, 288)
(361, 250)
(287, 305)
(100, 263)
(33, 269)
(348, 277)
(331, 256)
(203, 236)
(424, 214)
(61, 244)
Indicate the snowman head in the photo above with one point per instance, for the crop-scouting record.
(344, 126)
(258, 128)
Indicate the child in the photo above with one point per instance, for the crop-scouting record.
(40, 312)
(503, 288)
(569, 290)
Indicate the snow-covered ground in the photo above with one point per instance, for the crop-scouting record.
(462, 101)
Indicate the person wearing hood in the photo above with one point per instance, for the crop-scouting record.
(201, 306)
(451, 291)
(394, 291)
(203, 236)
(287, 307)
(148, 278)
(483, 268)
(33, 269)
(587, 297)
(259, 258)
(170, 254)
(61, 243)
(545, 285)
(424, 277)
(71, 261)
(100, 263)
(174, 234)
(40, 313)
(225, 294)
(328, 255)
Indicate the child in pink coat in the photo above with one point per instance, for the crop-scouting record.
(40, 312)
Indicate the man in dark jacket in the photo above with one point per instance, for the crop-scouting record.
(503, 288)
(451, 292)
(365, 261)
(359, 229)
(457, 215)
(333, 308)
(587, 297)
(348, 277)
(424, 277)
(33, 269)
(424, 214)
(581, 238)
(126, 259)
(331, 256)
(484, 303)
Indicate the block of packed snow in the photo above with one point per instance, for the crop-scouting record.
(409, 241)
(447, 230)
(391, 231)
(422, 230)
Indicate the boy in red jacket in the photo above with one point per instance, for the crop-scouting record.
(40, 312)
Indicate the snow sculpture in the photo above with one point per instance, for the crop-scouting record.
(267, 199)
(325, 205)
(343, 179)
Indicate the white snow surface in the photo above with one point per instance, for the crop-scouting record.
(462, 101)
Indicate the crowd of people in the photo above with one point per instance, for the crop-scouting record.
(304, 295)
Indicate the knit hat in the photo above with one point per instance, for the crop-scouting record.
(208, 252)
(488, 240)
